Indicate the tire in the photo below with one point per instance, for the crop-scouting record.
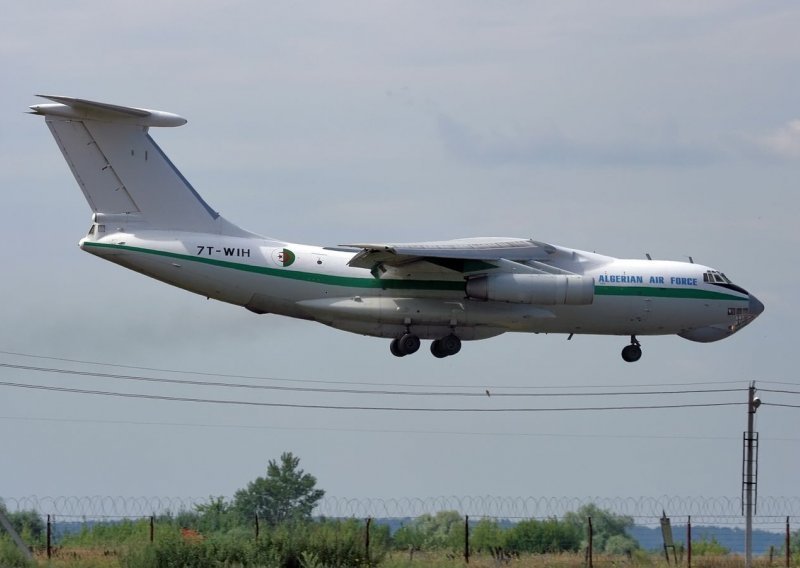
(408, 344)
(395, 348)
(436, 349)
(631, 353)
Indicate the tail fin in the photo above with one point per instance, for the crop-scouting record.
(123, 173)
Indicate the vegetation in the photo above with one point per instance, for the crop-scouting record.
(445, 530)
(225, 533)
(28, 524)
(609, 531)
(285, 494)
(706, 547)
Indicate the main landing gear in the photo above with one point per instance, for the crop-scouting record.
(632, 352)
(409, 343)
(404, 345)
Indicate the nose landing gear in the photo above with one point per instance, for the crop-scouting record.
(633, 352)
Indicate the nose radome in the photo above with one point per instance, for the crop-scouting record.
(756, 307)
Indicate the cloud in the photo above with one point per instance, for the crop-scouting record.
(556, 149)
(784, 142)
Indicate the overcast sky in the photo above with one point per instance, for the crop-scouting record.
(626, 128)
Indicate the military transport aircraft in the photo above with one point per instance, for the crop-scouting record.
(149, 218)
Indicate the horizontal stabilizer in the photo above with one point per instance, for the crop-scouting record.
(83, 109)
(123, 173)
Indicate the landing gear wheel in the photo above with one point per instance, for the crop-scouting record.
(450, 344)
(436, 349)
(395, 349)
(446, 346)
(408, 344)
(632, 353)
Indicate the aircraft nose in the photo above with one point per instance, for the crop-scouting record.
(756, 307)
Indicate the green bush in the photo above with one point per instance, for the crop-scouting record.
(11, 556)
(705, 546)
(328, 543)
(488, 535)
(445, 530)
(543, 537)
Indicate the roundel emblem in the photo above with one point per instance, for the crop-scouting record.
(283, 257)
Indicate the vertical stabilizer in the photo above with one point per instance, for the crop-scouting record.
(122, 171)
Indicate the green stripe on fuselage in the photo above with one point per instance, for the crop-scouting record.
(402, 284)
(653, 292)
(330, 279)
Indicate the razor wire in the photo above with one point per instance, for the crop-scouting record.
(642, 509)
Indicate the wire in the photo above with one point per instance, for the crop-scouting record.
(363, 383)
(765, 382)
(351, 391)
(780, 391)
(783, 405)
(343, 407)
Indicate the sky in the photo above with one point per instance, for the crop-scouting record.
(624, 128)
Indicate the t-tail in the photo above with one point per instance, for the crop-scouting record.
(126, 178)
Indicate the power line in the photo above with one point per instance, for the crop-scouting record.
(779, 391)
(353, 407)
(363, 383)
(353, 391)
(794, 384)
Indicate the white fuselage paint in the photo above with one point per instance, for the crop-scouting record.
(632, 297)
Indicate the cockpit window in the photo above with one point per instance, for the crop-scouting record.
(717, 277)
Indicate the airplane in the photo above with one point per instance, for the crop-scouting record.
(147, 217)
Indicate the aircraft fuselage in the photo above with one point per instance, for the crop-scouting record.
(631, 296)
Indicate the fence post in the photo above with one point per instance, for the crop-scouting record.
(255, 516)
(366, 540)
(466, 539)
(590, 534)
(689, 542)
(49, 538)
(152, 528)
(788, 544)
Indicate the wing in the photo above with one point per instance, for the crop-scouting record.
(486, 252)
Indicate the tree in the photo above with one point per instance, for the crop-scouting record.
(605, 524)
(285, 494)
(444, 530)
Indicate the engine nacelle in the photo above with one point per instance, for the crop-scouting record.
(540, 289)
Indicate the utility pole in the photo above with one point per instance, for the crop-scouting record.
(750, 473)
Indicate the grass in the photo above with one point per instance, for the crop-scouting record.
(103, 557)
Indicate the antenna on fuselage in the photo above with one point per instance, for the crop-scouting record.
(691, 260)
(647, 254)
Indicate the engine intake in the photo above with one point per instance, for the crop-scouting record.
(540, 289)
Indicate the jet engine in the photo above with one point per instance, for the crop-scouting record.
(540, 289)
